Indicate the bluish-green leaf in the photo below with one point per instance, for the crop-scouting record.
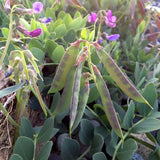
(9, 90)
(99, 156)
(26, 128)
(16, 157)
(147, 125)
(24, 147)
(150, 95)
(86, 132)
(46, 131)
(128, 118)
(45, 151)
(70, 149)
(126, 151)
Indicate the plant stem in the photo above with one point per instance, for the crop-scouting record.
(35, 143)
(118, 145)
(90, 63)
(11, 120)
(8, 39)
(84, 153)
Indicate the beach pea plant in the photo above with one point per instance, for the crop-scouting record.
(77, 95)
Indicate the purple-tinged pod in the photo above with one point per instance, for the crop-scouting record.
(120, 78)
(82, 104)
(75, 95)
(64, 67)
(107, 102)
(65, 99)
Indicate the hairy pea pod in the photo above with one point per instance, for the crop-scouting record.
(107, 102)
(64, 67)
(82, 104)
(75, 95)
(120, 78)
(65, 98)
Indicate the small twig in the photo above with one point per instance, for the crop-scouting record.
(9, 100)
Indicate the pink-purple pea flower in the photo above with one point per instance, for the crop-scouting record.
(45, 20)
(37, 7)
(100, 40)
(92, 18)
(35, 33)
(110, 20)
(7, 6)
(113, 37)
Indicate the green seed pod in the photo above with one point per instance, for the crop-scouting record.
(65, 99)
(64, 67)
(120, 78)
(75, 95)
(107, 102)
(82, 104)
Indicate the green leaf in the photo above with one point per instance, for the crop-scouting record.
(128, 118)
(93, 94)
(45, 151)
(70, 149)
(70, 36)
(50, 46)
(91, 36)
(147, 125)
(60, 31)
(57, 54)
(67, 20)
(51, 13)
(35, 43)
(46, 131)
(9, 90)
(126, 151)
(56, 24)
(26, 128)
(16, 157)
(38, 54)
(141, 27)
(99, 156)
(5, 32)
(24, 147)
(85, 34)
(150, 95)
(97, 144)
(76, 24)
(86, 133)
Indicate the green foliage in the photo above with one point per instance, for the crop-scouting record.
(82, 80)
(126, 151)
(70, 149)
(24, 147)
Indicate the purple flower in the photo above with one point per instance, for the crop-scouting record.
(35, 33)
(7, 6)
(100, 40)
(110, 20)
(45, 20)
(92, 18)
(113, 37)
(37, 7)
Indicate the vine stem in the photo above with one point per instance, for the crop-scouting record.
(118, 145)
(8, 39)
(90, 63)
